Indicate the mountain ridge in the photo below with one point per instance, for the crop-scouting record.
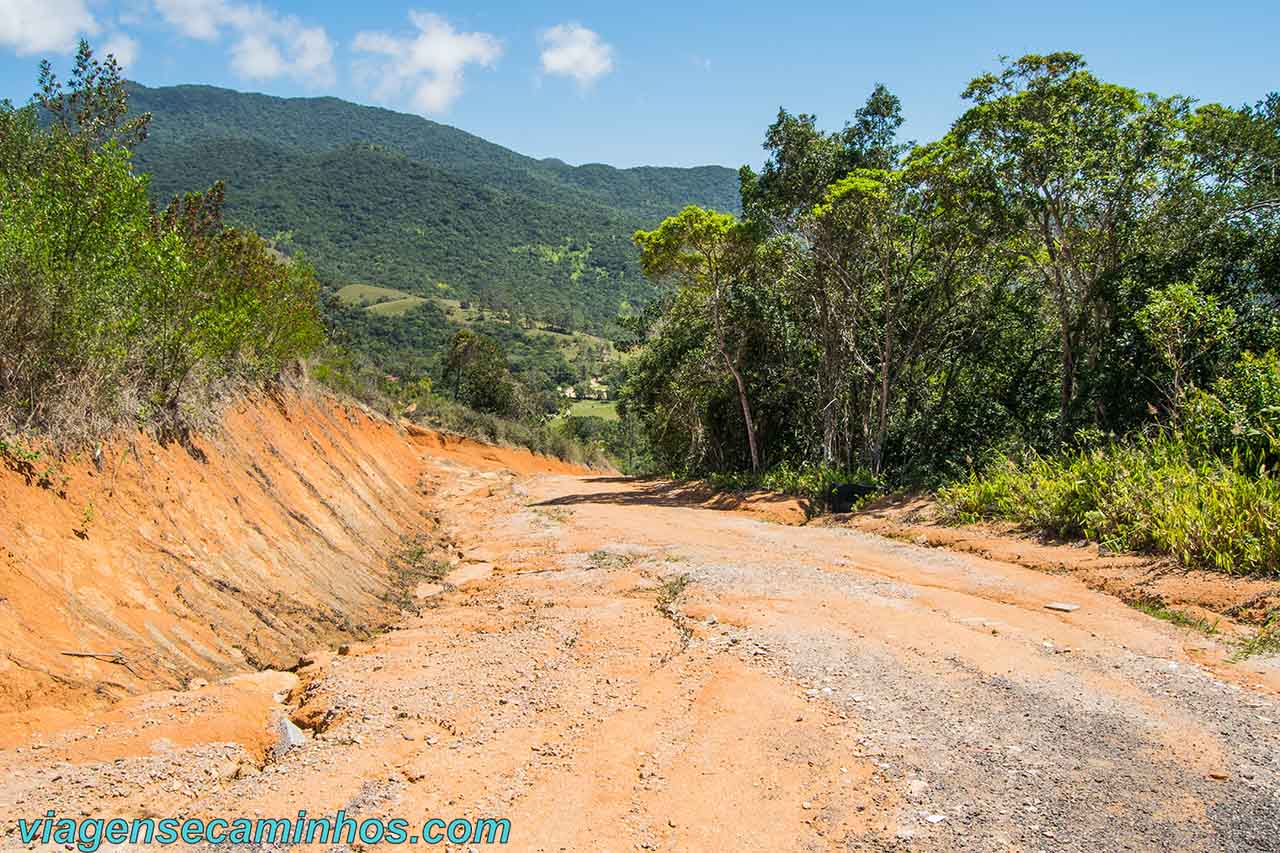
(386, 198)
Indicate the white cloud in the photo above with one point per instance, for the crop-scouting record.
(123, 47)
(265, 44)
(34, 26)
(428, 65)
(199, 19)
(574, 51)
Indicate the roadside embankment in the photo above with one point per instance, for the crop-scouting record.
(147, 565)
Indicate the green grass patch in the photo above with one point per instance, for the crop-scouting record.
(396, 307)
(364, 295)
(604, 409)
(1157, 610)
(1151, 495)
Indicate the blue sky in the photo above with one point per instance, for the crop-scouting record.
(667, 83)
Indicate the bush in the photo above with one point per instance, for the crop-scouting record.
(108, 313)
(1239, 417)
(1156, 495)
(807, 480)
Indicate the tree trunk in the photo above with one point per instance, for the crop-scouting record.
(746, 410)
(1068, 374)
(827, 381)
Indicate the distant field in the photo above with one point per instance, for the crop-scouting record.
(383, 301)
(605, 409)
(367, 294)
(453, 309)
(396, 307)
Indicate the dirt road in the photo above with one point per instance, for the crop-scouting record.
(613, 667)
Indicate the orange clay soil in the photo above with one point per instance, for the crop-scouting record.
(268, 537)
(619, 665)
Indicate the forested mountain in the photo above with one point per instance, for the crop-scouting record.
(386, 198)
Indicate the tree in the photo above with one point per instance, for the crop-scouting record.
(92, 111)
(709, 255)
(803, 162)
(477, 372)
(1183, 325)
(1076, 162)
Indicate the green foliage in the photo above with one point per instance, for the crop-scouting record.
(1183, 324)
(477, 373)
(1154, 495)
(108, 313)
(351, 374)
(1239, 416)
(812, 481)
(402, 202)
(1073, 258)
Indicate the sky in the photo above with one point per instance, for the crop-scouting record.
(654, 83)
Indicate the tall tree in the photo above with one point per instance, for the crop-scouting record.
(803, 162)
(710, 256)
(1077, 162)
(904, 265)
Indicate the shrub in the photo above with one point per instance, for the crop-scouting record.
(1239, 417)
(109, 313)
(1156, 495)
(806, 480)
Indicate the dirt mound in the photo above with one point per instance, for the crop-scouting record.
(157, 564)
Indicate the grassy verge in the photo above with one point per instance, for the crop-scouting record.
(1157, 610)
(1150, 495)
(809, 481)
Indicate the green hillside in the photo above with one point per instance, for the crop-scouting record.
(398, 201)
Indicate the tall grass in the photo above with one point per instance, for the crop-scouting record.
(1151, 494)
(806, 480)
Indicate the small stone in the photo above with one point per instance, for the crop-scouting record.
(806, 805)
(344, 649)
(1219, 777)
(1061, 606)
(290, 736)
(936, 818)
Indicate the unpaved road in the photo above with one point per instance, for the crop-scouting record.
(806, 689)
